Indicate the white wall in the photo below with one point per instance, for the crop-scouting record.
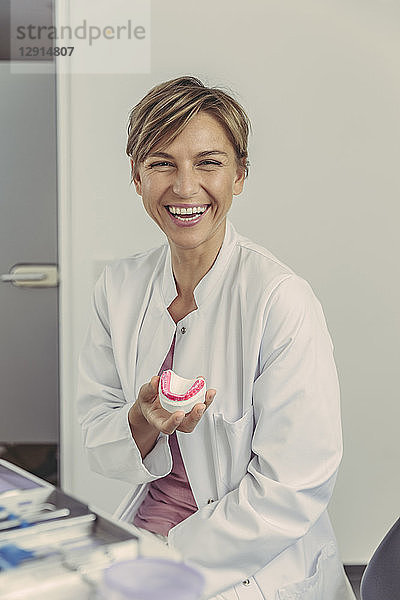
(320, 82)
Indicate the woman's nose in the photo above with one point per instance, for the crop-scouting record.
(186, 183)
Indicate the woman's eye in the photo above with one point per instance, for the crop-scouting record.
(160, 164)
(213, 163)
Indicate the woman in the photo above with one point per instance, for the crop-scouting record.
(241, 484)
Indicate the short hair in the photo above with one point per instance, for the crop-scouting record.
(167, 108)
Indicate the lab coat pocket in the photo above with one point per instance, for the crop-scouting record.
(320, 583)
(233, 449)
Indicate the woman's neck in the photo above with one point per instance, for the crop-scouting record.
(190, 265)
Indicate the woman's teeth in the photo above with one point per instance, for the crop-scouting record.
(186, 218)
(184, 214)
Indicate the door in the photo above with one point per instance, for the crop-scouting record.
(29, 405)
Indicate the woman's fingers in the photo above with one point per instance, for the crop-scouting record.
(193, 417)
(152, 410)
(149, 391)
(210, 395)
(169, 425)
(165, 421)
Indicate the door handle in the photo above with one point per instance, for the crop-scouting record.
(12, 277)
(24, 275)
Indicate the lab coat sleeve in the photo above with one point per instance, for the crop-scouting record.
(296, 442)
(103, 409)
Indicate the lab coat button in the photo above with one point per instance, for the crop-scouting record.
(210, 501)
(183, 329)
(246, 582)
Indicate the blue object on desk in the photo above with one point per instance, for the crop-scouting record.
(12, 555)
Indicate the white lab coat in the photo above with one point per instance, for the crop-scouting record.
(263, 460)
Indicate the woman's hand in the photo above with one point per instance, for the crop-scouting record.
(147, 418)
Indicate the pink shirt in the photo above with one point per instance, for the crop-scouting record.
(170, 499)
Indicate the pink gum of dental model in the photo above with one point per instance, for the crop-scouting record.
(172, 400)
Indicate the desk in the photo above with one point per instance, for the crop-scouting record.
(53, 546)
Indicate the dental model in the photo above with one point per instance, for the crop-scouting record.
(177, 393)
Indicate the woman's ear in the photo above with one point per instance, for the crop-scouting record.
(240, 177)
(136, 179)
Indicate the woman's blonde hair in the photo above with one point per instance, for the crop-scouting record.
(168, 107)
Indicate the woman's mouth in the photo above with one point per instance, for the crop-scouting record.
(187, 215)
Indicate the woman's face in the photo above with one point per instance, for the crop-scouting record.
(187, 186)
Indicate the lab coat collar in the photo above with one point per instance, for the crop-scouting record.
(210, 281)
(168, 286)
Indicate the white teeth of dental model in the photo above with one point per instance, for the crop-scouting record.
(177, 393)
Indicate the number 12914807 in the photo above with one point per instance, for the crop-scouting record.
(43, 51)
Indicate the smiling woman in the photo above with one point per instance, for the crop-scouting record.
(241, 483)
